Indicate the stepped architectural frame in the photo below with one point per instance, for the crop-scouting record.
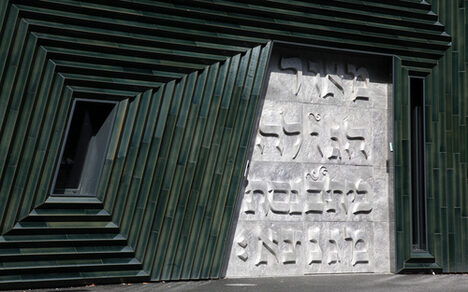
(186, 81)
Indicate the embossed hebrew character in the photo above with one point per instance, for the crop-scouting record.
(267, 244)
(336, 137)
(335, 190)
(361, 202)
(251, 203)
(294, 128)
(314, 252)
(331, 85)
(248, 202)
(314, 190)
(279, 189)
(360, 82)
(358, 134)
(359, 245)
(348, 197)
(344, 140)
(294, 64)
(296, 201)
(333, 82)
(341, 138)
(315, 129)
(242, 243)
(333, 254)
(316, 69)
(259, 143)
(291, 239)
(268, 130)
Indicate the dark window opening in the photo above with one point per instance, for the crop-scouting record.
(84, 149)
(418, 199)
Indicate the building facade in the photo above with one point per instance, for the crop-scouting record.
(174, 140)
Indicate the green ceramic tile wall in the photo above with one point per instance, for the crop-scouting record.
(448, 93)
(188, 75)
(446, 114)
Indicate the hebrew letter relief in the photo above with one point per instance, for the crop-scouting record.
(255, 197)
(329, 84)
(267, 246)
(333, 86)
(361, 201)
(296, 65)
(333, 249)
(315, 129)
(359, 135)
(316, 69)
(348, 143)
(291, 240)
(242, 243)
(280, 197)
(316, 185)
(270, 130)
(282, 246)
(315, 189)
(360, 83)
(359, 245)
(314, 250)
(337, 139)
(287, 135)
(294, 128)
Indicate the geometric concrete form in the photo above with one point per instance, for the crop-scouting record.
(318, 197)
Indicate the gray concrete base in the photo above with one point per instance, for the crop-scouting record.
(324, 282)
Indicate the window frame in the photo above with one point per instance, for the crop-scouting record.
(421, 244)
(99, 163)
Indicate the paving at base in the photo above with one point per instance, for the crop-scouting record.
(361, 282)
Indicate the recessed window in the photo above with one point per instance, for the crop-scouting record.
(418, 198)
(84, 149)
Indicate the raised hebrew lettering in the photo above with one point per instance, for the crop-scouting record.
(333, 82)
(294, 64)
(242, 243)
(316, 183)
(315, 193)
(361, 202)
(276, 196)
(323, 245)
(291, 239)
(269, 130)
(279, 198)
(359, 245)
(360, 83)
(315, 131)
(314, 252)
(316, 83)
(255, 197)
(314, 198)
(267, 246)
(277, 247)
(359, 135)
(333, 251)
(294, 128)
(283, 131)
(329, 139)
(344, 140)
(336, 137)
(327, 79)
(326, 83)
